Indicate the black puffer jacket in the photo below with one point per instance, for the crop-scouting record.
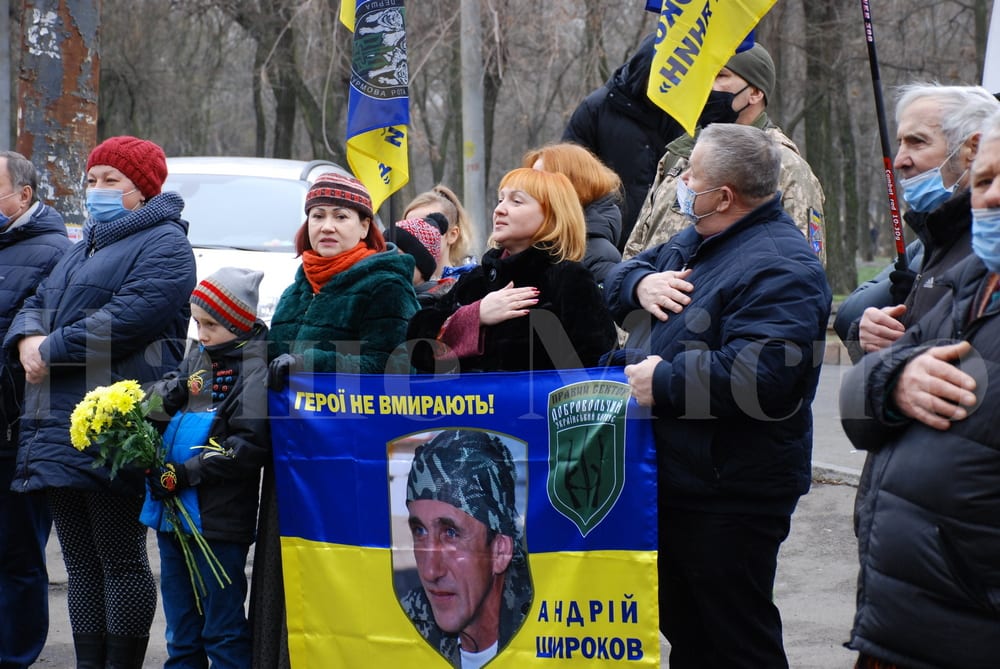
(620, 125)
(929, 540)
(28, 253)
(115, 307)
(568, 327)
(227, 482)
(604, 226)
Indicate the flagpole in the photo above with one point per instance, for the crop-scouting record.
(883, 133)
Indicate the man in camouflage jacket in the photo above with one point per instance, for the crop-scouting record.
(750, 77)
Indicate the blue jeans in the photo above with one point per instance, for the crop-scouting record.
(221, 634)
(24, 583)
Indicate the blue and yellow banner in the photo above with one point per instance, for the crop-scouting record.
(516, 510)
(378, 108)
(694, 40)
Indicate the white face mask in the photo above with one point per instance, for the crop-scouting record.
(686, 197)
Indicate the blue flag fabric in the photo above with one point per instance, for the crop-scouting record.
(566, 458)
(378, 108)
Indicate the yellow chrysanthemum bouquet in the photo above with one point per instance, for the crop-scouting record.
(112, 420)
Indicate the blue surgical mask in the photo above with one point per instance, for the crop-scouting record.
(926, 191)
(986, 236)
(686, 198)
(105, 204)
(4, 218)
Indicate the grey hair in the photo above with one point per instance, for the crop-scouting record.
(964, 109)
(742, 157)
(990, 129)
(21, 172)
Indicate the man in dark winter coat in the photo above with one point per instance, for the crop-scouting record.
(32, 239)
(938, 137)
(740, 302)
(926, 409)
(626, 130)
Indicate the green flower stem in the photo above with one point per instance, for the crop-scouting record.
(213, 562)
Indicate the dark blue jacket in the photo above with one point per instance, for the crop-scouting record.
(111, 311)
(740, 364)
(928, 531)
(28, 253)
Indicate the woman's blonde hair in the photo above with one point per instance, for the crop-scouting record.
(562, 232)
(444, 200)
(591, 178)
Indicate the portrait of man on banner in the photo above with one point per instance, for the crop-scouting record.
(460, 566)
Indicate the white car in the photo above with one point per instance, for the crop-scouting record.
(244, 212)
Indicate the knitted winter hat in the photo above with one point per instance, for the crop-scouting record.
(230, 296)
(756, 67)
(142, 161)
(420, 238)
(338, 190)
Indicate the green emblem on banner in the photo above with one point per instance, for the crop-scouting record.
(587, 450)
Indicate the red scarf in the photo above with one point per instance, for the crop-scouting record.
(319, 270)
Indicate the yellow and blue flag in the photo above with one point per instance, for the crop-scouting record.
(378, 108)
(574, 487)
(694, 40)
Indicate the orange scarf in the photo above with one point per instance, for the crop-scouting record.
(319, 270)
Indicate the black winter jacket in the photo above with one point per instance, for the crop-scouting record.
(228, 482)
(740, 365)
(28, 253)
(604, 226)
(929, 540)
(946, 236)
(622, 127)
(569, 327)
(115, 307)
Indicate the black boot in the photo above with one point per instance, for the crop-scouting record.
(89, 651)
(126, 652)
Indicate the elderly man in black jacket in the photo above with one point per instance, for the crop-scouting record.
(926, 410)
(740, 302)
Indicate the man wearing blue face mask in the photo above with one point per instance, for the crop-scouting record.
(734, 305)
(938, 138)
(32, 239)
(926, 410)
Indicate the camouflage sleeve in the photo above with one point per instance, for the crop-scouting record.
(802, 197)
(659, 219)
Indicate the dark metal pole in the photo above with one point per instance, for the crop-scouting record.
(883, 133)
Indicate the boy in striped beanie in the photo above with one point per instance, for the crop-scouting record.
(216, 438)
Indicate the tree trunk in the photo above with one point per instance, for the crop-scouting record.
(57, 97)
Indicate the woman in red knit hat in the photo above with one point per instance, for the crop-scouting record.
(115, 307)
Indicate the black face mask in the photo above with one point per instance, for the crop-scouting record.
(719, 108)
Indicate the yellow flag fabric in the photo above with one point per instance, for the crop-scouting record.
(378, 110)
(694, 40)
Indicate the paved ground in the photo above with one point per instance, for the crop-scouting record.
(816, 570)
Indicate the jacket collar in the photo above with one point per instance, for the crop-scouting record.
(942, 225)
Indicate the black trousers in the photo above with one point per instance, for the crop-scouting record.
(716, 575)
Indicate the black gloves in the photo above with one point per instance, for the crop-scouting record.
(900, 284)
(166, 481)
(280, 368)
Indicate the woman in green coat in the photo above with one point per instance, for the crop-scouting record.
(347, 311)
